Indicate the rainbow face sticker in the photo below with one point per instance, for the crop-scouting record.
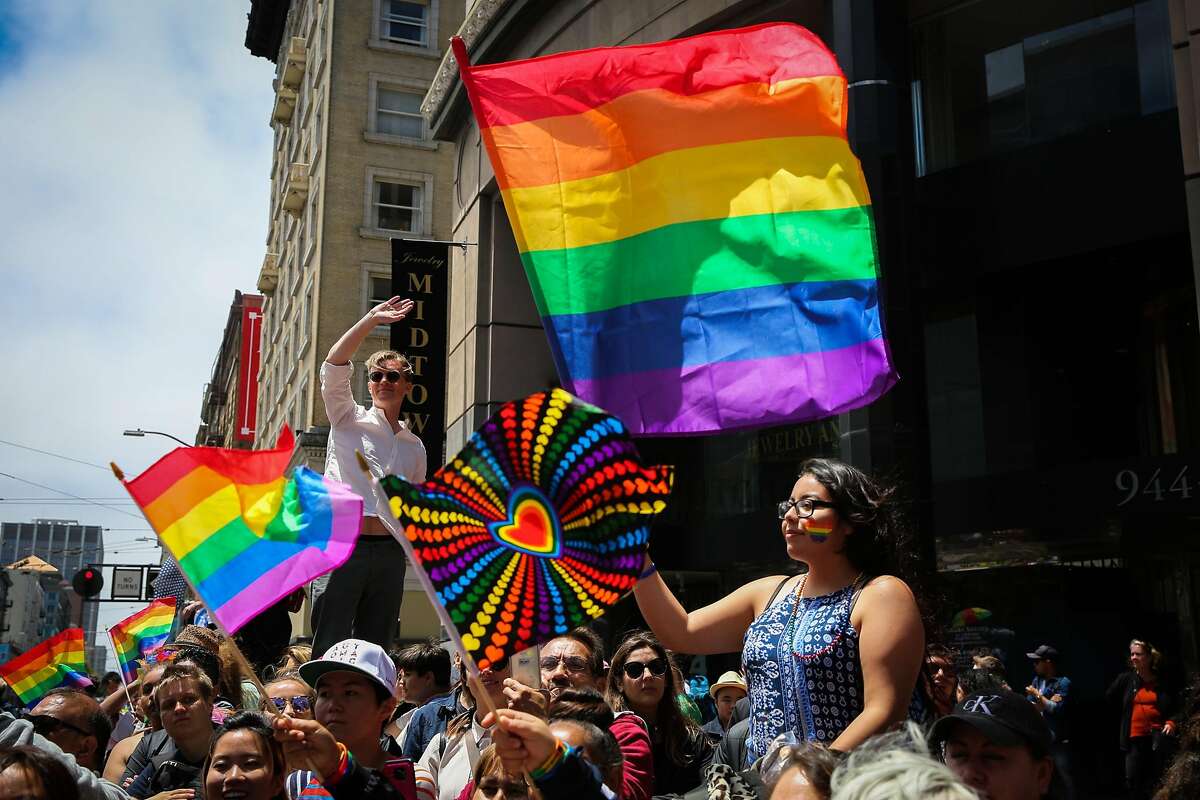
(818, 533)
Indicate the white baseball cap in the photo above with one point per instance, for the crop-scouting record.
(354, 655)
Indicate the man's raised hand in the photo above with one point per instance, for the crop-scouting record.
(392, 310)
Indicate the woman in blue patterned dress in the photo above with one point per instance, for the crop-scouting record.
(834, 654)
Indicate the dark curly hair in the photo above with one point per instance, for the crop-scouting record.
(881, 543)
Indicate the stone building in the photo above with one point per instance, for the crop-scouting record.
(353, 166)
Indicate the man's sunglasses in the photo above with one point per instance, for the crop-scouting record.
(300, 703)
(46, 725)
(634, 669)
(572, 663)
(392, 376)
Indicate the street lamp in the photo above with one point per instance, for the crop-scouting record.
(140, 432)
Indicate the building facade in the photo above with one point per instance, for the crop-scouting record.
(41, 603)
(67, 547)
(229, 408)
(1032, 172)
(353, 167)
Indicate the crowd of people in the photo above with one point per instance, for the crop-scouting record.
(360, 722)
(843, 691)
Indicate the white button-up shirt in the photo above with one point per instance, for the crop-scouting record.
(352, 427)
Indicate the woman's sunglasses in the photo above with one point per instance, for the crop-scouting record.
(634, 669)
(391, 375)
(491, 786)
(300, 703)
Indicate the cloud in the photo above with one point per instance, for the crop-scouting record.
(137, 159)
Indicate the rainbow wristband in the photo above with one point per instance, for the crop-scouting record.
(551, 764)
(650, 570)
(345, 762)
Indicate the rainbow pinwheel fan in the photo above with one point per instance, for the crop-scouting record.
(538, 525)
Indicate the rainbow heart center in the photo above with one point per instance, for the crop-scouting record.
(532, 525)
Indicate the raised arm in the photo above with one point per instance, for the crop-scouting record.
(386, 313)
(716, 628)
(891, 645)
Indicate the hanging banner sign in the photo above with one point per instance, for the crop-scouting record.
(247, 393)
(420, 272)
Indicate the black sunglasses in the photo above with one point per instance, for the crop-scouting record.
(300, 703)
(634, 669)
(46, 725)
(490, 787)
(392, 376)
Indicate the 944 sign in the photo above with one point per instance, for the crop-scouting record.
(1155, 486)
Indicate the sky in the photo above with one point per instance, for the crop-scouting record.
(136, 156)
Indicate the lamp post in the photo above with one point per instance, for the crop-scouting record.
(140, 432)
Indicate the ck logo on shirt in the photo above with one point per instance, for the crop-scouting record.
(979, 705)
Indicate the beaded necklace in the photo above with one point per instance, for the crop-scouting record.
(789, 631)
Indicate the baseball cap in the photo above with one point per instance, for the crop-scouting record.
(1044, 651)
(727, 680)
(353, 655)
(1005, 718)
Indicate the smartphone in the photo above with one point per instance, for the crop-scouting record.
(527, 668)
(399, 773)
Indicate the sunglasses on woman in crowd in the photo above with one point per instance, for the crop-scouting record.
(299, 703)
(634, 669)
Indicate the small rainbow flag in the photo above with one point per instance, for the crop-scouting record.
(695, 228)
(244, 535)
(138, 636)
(58, 661)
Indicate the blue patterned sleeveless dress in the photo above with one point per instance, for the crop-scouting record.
(800, 659)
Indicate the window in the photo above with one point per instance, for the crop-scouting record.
(404, 22)
(1000, 75)
(398, 113)
(381, 290)
(397, 207)
(308, 307)
(302, 402)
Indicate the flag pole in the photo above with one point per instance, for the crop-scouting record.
(121, 670)
(385, 512)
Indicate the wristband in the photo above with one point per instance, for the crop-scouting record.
(548, 767)
(650, 570)
(345, 761)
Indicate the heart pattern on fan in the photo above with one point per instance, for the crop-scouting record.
(532, 525)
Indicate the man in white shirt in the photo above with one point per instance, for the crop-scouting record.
(361, 599)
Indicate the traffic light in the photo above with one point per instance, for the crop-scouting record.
(88, 582)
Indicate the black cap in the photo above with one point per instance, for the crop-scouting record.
(1005, 718)
(1044, 651)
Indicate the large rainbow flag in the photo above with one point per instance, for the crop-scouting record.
(695, 228)
(58, 661)
(138, 636)
(244, 535)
